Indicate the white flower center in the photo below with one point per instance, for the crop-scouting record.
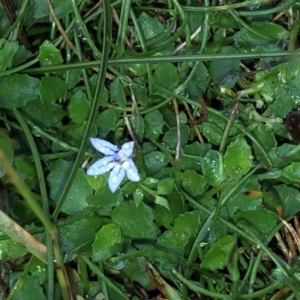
(122, 155)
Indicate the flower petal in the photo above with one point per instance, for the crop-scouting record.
(131, 170)
(128, 149)
(104, 147)
(101, 166)
(115, 178)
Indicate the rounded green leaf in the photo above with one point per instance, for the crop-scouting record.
(262, 219)
(162, 201)
(289, 198)
(46, 114)
(165, 186)
(212, 168)
(166, 76)
(292, 172)
(117, 93)
(50, 94)
(138, 126)
(138, 196)
(108, 241)
(151, 26)
(171, 136)
(220, 69)
(16, 90)
(199, 81)
(30, 284)
(106, 122)
(49, 54)
(80, 190)
(219, 253)
(78, 107)
(151, 182)
(194, 183)
(7, 145)
(238, 158)
(269, 31)
(80, 232)
(135, 221)
(212, 133)
(7, 52)
(155, 161)
(154, 123)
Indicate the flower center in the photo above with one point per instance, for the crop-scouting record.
(122, 156)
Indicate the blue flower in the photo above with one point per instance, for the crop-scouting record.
(118, 161)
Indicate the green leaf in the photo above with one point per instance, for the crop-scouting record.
(117, 93)
(7, 145)
(240, 201)
(165, 217)
(188, 222)
(195, 19)
(21, 56)
(7, 52)
(138, 69)
(284, 101)
(197, 150)
(150, 26)
(162, 201)
(16, 90)
(262, 219)
(71, 77)
(97, 182)
(62, 8)
(27, 171)
(221, 69)
(135, 222)
(292, 172)
(104, 198)
(172, 242)
(165, 186)
(78, 107)
(199, 81)
(49, 55)
(170, 137)
(108, 241)
(30, 284)
(212, 132)
(80, 190)
(270, 31)
(227, 22)
(138, 126)
(212, 168)
(138, 196)
(266, 140)
(265, 136)
(47, 91)
(194, 183)
(219, 253)
(10, 250)
(79, 233)
(38, 270)
(166, 76)
(185, 228)
(154, 123)
(40, 9)
(44, 114)
(238, 158)
(155, 161)
(106, 122)
(136, 271)
(289, 198)
(151, 182)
